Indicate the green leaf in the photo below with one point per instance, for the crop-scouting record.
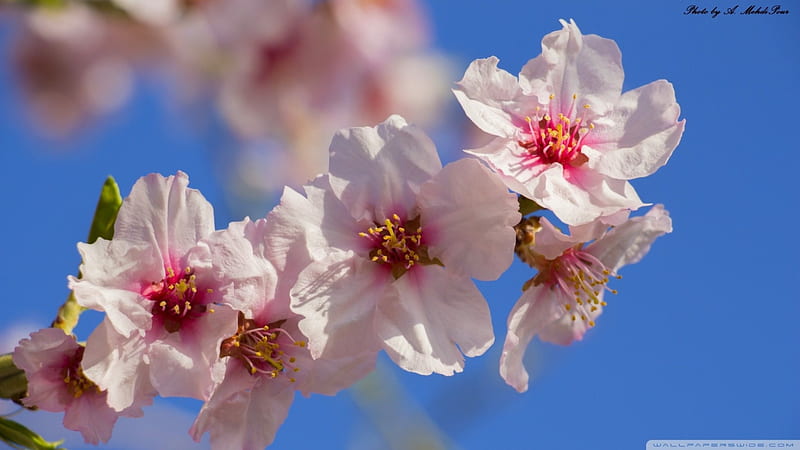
(105, 215)
(13, 384)
(106, 212)
(527, 206)
(20, 436)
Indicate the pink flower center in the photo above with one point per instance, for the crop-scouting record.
(176, 298)
(397, 244)
(262, 348)
(581, 277)
(554, 137)
(76, 381)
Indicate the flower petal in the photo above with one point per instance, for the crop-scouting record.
(126, 311)
(502, 155)
(117, 364)
(119, 265)
(532, 312)
(181, 363)
(571, 63)
(247, 280)
(377, 171)
(90, 415)
(426, 314)
(165, 214)
(312, 224)
(629, 242)
(337, 297)
(585, 196)
(468, 217)
(244, 412)
(644, 134)
(484, 91)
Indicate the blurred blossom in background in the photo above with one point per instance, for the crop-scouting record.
(281, 76)
(245, 95)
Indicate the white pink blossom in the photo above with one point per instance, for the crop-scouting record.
(163, 327)
(565, 298)
(266, 359)
(52, 364)
(394, 239)
(564, 134)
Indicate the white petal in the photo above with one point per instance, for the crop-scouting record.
(483, 92)
(328, 375)
(468, 217)
(165, 214)
(322, 375)
(573, 64)
(337, 297)
(247, 280)
(645, 133)
(629, 242)
(534, 309)
(120, 264)
(313, 224)
(245, 412)
(565, 330)
(117, 364)
(551, 242)
(502, 155)
(181, 363)
(128, 312)
(426, 314)
(377, 171)
(90, 415)
(585, 197)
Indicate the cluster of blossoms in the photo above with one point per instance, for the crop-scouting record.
(377, 253)
(284, 74)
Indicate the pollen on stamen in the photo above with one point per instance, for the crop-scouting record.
(395, 244)
(550, 141)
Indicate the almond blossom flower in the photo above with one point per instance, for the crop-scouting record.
(162, 327)
(76, 64)
(52, 364)
(394, 239)
(266, 359)
(565, 298)
(564, 134)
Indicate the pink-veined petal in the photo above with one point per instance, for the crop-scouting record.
(504, 157)
(92, 417)
(469, 216)
(426, 314)
(117, 364)
(310, 225)
(571, 63)
(566, 329)
(534, 309)
(645, 132)
(377, 171)
(585, 197)
(119, 265)
(329, 376)
(244, 412)
(126, 311)
(181, 363)
(337, 297)
(164, 213)
(247, 280)
(629, 242)
(484, 91)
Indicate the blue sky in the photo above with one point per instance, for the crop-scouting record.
(701, 342)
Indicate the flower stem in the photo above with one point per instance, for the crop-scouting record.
(105, 215)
